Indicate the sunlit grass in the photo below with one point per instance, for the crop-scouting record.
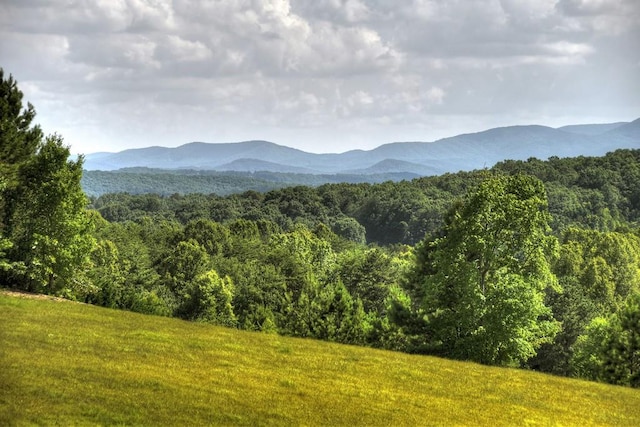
(64, 363)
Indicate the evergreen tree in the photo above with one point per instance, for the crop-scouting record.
(19, 141)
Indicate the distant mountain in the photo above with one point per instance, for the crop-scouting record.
(195, 155)
(396, 166)
(628, 130)
(597, 129)
(255, 165)
(462, 152)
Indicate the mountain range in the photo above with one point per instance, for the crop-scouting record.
(461, 152)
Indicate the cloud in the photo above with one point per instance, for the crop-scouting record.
(116, 72)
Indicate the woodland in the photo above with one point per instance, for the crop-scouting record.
(532, 264)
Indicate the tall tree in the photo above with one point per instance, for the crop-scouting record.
(50, 225)
(42, 206)
(19, 140)
(485, 275)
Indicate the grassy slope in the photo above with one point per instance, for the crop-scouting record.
(68, 364)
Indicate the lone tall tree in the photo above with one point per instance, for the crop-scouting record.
(482, 281)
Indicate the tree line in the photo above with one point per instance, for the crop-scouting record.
(532, 264)
(601, 193)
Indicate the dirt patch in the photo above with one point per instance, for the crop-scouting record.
(22, 294)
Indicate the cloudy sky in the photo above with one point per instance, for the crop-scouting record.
(319, 75)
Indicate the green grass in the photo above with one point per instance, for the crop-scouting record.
(63, 363)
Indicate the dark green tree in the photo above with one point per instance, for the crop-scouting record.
(622, 351)
(19, 141)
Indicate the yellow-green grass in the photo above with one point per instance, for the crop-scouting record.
(64, 363)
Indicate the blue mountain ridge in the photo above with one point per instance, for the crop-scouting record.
(462, 152)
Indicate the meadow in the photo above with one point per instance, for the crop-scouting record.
(65, 363)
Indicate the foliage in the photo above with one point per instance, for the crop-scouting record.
(223, 183)
(597, 272)
(484, 278)
(586, 192)
(42, 206)
(609, 350)
(51, 230)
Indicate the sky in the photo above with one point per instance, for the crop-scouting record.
(317, 75)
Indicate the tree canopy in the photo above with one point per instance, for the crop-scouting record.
(484, 275)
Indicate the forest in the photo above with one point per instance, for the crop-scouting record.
(532, 264)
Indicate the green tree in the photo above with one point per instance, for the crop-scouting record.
(329, 313)
(622, 352)
(19, 141)
(609, 350)
(208, 298)
(587, 359)
(485, 275)
(107, 275)
(5, 264)
(50, 226)
(187, 261)
(597, 272)
(349, 228)
(214, 237)
(368, 274)
(42, 206)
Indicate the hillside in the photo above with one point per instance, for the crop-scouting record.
(69, 364)
(458, 153)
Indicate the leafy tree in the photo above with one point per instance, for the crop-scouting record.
(50, 225)
(587, 355)
(42, 206)
(350, 229)
(107, 275)
(207, 298)
(368, 275)
(5, 264)
(184, 264)
(214, 237)
(609, 350)
(597, 272)
(261, 300)
(328, 312)
(622, 351)
(199, 292)
(485, 275)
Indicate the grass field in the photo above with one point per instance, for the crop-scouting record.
(64, 363)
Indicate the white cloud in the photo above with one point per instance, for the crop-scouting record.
(362, 71)
(435, 95)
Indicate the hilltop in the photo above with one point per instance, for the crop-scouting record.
(67, 363)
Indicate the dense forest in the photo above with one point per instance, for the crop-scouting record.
(533, 264)
(166, 182)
